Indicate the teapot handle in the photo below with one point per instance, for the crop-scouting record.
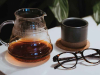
(3, 24)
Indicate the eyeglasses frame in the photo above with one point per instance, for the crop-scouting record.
(55, 58)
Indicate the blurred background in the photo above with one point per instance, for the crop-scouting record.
(56, 10)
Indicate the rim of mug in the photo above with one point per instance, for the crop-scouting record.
(15, 13)
(75, 18)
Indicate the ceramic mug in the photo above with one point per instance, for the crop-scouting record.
(74, 32)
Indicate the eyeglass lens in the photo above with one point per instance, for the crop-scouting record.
(67, 60)
(91, 56)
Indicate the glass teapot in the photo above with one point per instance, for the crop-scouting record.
(29, 40)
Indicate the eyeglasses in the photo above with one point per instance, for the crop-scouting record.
(69, 60)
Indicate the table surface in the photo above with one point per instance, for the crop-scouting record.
(47, 68)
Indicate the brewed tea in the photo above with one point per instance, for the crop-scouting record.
(28, 49)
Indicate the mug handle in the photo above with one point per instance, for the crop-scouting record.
(3, 24)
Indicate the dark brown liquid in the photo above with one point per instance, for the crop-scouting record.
(29, 15)
(26, 49)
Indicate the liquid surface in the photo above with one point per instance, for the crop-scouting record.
(29, 15)
(29, 49)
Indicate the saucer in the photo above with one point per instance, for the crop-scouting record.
(10, 59)
(58, 44)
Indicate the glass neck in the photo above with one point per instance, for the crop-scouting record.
(29, 13)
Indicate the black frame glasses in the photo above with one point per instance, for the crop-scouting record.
(76, 58)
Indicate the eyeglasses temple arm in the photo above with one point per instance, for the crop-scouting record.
(92, 55)
(57, 66)
(68, 60)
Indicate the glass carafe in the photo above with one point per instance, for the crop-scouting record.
(29, 41)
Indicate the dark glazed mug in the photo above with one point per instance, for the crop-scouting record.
(74, 32)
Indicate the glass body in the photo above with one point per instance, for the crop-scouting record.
(29, 39)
